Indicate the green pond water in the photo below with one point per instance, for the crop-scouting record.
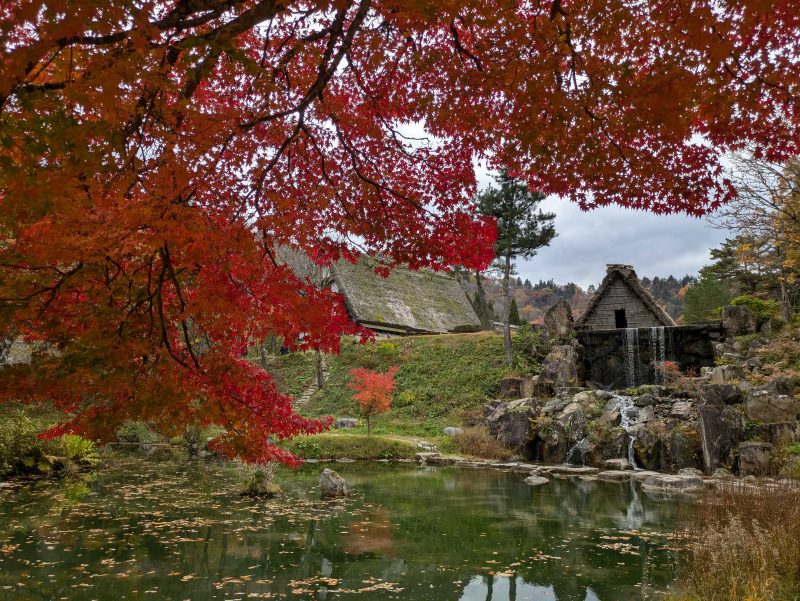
(148, 528)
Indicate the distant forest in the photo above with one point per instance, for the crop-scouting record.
(533, 299)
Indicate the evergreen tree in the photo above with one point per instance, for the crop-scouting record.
(513, 314)
(528, 285)
(522, 229)
(705, 299)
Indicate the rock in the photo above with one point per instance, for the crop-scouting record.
(721, 474)
(755, 458)
(779, 434)
(443, 460)
(738, 321)
(344, 423)
(332, 484)
(645, 400)
(573, 420)
(765, 404)
(615, 475)
(453, 431)
(722, 428)
(567, 470)
(552, 443)
(662, 445)
(728, 394)
(791, 469)
(780, 385)
(611, 417)
(423, 457)
(535, 480)
(646, 414)
(681, 410)
(345, 460)
(617, 464)
(562, 367)
(558, 321)
(554, 406)
(726, 374)
(510, 422)
(670, 484)
(734, 358)
(642, 475)
(690, 471)
(511, 387)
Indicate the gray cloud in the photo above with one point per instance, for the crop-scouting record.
(656, 245)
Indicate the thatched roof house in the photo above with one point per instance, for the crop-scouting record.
(622, 302)
(406, 302)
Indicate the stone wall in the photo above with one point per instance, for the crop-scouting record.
(619, 295)
(625, 358)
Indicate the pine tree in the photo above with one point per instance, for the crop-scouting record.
(705, 299)
(513, 314)
(522, 229)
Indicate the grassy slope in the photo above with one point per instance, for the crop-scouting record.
(441, 379)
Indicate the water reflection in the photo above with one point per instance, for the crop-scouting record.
(159, 529)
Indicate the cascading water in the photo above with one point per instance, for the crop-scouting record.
(628, 414)
(658, 352)
(579, 448)
(631, 356)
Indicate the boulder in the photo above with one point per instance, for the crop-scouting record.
(722, 428)
(511, 387)
(425, 456)
(562, 367)
(612, 417)
(738, 321)
(721, 474)
(332, 484)
(672, 484)
(645, 400)
(615, 475)
(552, 442)
(681, 410)
(765, 404)
(450, 431)
(755, 458)
(573, 420)
(779, 434)
(690, 471)
(554, 406)
(344, 423)
(618, 464)
(642, 475)
(646, 414)
(510, 422)
(791, 469)
(727, 394)
(613, 443)
(535, 480)
(726, 374)
(558, 321)
(663, 445)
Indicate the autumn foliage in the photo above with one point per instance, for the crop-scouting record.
(373, 391)
(154, 154)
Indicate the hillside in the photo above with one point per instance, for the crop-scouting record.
(442, 380)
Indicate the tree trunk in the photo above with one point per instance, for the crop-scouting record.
(369, 428)
(507, 311)
(482, 308)
(262, 355)
(320, 375)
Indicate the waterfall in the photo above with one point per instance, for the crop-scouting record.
(658, 352)
(579, 447)
(631, 356)
(628, 416)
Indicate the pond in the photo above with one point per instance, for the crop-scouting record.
(149, 528)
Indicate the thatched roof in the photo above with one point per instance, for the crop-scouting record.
(413, 302)
(627, 275)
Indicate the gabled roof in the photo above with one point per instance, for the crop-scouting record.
(407, 301)
(628, 277)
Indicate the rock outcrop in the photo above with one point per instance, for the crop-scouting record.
(558, 321)
(332, 484)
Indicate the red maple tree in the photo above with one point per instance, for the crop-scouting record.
(373, 391)
(153, 154)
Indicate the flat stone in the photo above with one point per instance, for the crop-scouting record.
(670, 483)
(423, 457)
(535, 480)
(568, 470)
(453, 431)
(588, 478)
(614, 475)
(503, 466)
(524, 467)
(345, 460)
(617, 464)
(642, 475)
(444, 460)
(690, 471)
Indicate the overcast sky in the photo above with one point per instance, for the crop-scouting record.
(656, 245)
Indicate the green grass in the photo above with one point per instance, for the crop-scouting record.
(352, 446)
(294, 372)
(441, 380)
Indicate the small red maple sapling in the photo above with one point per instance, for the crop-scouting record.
(374, 391)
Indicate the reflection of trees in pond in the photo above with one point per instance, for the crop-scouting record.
(447, 534)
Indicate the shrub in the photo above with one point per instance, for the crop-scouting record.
(23, 453)
(137, 433)
(531, 346)
(478, 442)
(762, 309)
(743, 543)
(260, 480)
(354, 446)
